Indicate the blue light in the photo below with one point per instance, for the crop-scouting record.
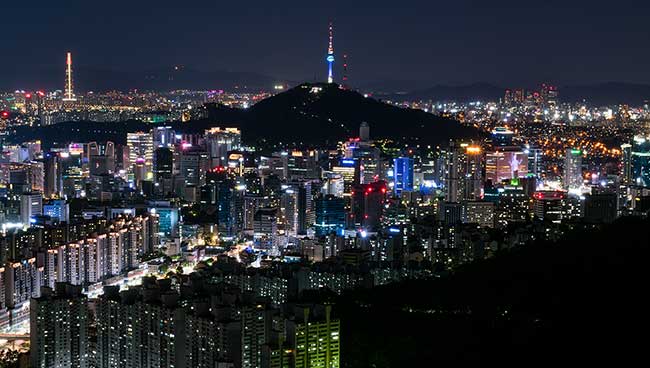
(393, 230)
(330, 58)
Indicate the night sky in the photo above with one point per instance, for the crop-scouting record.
(428, 42)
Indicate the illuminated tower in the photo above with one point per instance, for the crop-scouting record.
(68, 94)
(330, 56)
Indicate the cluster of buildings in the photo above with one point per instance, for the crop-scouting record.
(233, 245)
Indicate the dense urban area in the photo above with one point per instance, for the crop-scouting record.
(162, 229)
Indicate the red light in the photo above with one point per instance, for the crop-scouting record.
(28, 95)
(5, 114)
(383, 190)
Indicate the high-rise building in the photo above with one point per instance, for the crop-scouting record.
(368, 204)
(550, 205)
(57, 209)
(479, 212)
(364, 132)
(330, 215)
(601, 207)
(59, 328)
(573, 169)
(315, 334)
(626, 169)
(221, 141)
(640, 161)
(140, 146)
(505, 165)
(403, 173)
(68, 91)
(463, 172)
(31, 204)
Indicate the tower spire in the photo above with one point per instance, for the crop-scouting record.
(330, 55)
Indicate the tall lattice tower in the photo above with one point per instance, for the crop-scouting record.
(68, 92)
(330, 55)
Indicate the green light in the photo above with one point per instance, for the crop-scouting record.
(576, 151)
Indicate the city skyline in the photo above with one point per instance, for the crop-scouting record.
(417, 45)
(330, 185)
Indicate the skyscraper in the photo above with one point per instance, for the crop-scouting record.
(59, 328)
(640, 161)
(68, 93)
(573, 169)
(403, 172)
(330, 55)
(140, 145)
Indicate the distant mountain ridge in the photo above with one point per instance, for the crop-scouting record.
(307, 115)
(606, 93)
(163, 79)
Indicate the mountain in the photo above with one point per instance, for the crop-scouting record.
(465, 93)
(598, 94)
(314, 113)
(165, 79)
(309, 114)
(577, 302)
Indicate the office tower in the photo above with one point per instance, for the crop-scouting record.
(59, 328)
(502, 137)
(601, 207)
(640, 161)
(194, 165)
(221, 141)
(479, 212)
(347, 169)
(31, 204)
(68, 91)
(265, 226)
(330, 215)
(505, 165)
(51, 174)
(315, 334)
(535, 164)
(626, 164)
(573, 169)
(289, 209)
(450, 213)
(163, 137)
(163, 163)
(368, 204)
(364, 132)
(334, 184)
(140, 146)
(507, 97)
(550, 205)
(463, 164)
(330, 55)
(57, 209)
(168, 220)
(403, 173)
